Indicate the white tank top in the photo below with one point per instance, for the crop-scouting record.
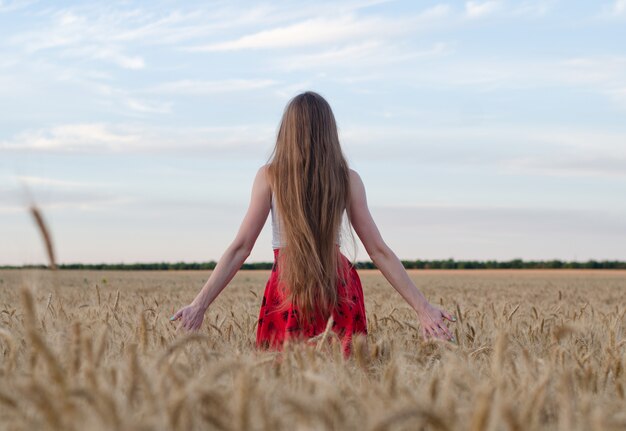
(277, 240)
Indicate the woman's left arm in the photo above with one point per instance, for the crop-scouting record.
(191, 316)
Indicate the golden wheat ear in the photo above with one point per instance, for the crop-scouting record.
(45, 233)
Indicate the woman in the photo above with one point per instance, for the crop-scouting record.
(307, 185)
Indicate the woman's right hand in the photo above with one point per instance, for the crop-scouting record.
(190, 316)
(433, 325)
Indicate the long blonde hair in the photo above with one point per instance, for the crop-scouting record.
(309, 176)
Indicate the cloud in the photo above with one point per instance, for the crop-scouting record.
(103, 90)
(310, 32)
(11, 6)
(99, 138)
(45, 181)
(434, 12)
(323, 30)
(110, 34)
(619, 8)
(55, 193)
(70, 138)
(371, 54)
(191, 87)
(500, 149)
(603, 74)
(576, 165)
(537, 8)
(118, 58)
(75, 35)
(613, 10)
(475, 9)
(68, 199)
(586, 70)
(148, 107)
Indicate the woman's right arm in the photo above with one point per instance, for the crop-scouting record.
(191, 316)
(430, 317)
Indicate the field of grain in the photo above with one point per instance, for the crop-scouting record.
(91, 350)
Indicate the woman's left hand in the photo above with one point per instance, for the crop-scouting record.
(190, 316)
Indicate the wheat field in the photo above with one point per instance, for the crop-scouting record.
(94, 350)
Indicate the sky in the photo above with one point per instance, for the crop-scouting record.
(481, 129)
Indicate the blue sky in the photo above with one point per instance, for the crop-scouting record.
(481, 129)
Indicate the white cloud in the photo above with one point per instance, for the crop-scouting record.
(191, 87)
(619, 7)
(437, 11)
(144, 106)
(475, 9)
(121, 98)
(99, 138)
(56, 193)
(370, 54)
(498, 148)
(335, 56)
(75, 35)
(537, 8)
(310, 32)
(572, 164)
(604, 75)
(616, 9)
(107, 34)
(45, 181)
(10, 6)
(322, 30)
(586, 70)
(116, 57)
(66, 199)
(71, 137)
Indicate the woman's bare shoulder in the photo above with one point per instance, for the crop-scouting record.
(265, 172)
(355, 178)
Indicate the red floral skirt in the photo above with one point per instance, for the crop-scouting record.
(275, 325)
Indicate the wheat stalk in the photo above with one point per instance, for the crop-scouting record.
(11, 347)
(45, 234)
(329, 325)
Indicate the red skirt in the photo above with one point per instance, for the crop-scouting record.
(277, 325)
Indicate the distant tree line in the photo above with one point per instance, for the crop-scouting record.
(512, 264)
(408, 264)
